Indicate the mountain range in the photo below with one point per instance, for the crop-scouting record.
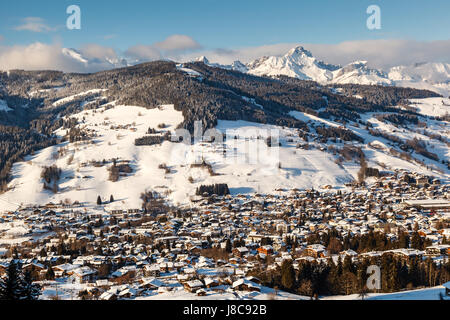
(81, 122)
(301, 64)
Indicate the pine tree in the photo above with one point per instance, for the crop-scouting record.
(416, 241)
(10, 286)
(43, 253)
(18, 286)
(30, 290)
(228, 246)
(111, 199)
(50, 274)
(99, 200)
(403, 240)
(287, 275)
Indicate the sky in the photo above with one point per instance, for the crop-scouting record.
(224, 31)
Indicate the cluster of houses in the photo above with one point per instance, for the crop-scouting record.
(213, 244)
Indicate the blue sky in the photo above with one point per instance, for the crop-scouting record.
(334, 30)
(225, 24)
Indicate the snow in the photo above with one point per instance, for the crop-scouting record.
(4, 106)
(359, 73)
(73, 97)
(236, 65)
(419, 294)
(428, 72)
(252, 101)
(178, 293)
(62, 288)
(435, 107)
(247, 166)
(300, 63)
(377, 148)
(66, 289)
(297, 63)
(36, 92)
(74, 54)
(440, 88)
(190, 72)
(300, 168)
(14, 232)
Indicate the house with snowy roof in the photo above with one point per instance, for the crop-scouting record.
(193, 285)
(84, 274)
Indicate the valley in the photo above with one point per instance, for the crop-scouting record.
(105, 201)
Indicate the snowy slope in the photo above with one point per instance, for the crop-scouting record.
(236, 65)
(103, 63)
(247, 165)
(303, 169)
(359, 73)
(419, 294)
(381, 158)
(298, 63)
(428, 72)
(435, 107)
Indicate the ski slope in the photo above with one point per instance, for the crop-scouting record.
(243, 160)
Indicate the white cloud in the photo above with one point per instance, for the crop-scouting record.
(96, 51)
(34, 24)
(39, 56)
(143, 53)
(381, 54)
(171, 48)
(384, 54)
(178, 42)
(248, 54)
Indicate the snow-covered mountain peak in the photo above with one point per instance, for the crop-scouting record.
(239, 66)
(203, 59)
(360, 63)
(299, 51)
(106, 62)
(358, 72)
(298, 63)
(432, 72)
(74, 54)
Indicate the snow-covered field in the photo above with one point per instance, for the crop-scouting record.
(65, 289)
(247, 165)
(419, 294)
(266, 294)
(435, 107)
(300, 169)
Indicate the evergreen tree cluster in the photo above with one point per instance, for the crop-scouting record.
(220, 189)
(17, 285)
(350, 277)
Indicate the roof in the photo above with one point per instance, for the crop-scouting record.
(66, 267)
(153, 282)
(247, 282)
(429, 203)
(194, 283)
(106, 295)
(84, 271)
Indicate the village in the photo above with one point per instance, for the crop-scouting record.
(214, 245)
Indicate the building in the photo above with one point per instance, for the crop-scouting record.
(428, 204)
(438, 250)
